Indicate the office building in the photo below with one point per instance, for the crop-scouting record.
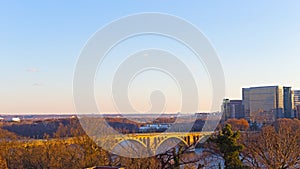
(263, 104)
(297, 112)
(297, 97)
(297, 103)
(232, 109)
(288, 102)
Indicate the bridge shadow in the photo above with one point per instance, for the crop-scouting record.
(131, 148)
(170, 143)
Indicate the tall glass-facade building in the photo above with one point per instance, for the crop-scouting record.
(297, 97)
(267, 103)
(263, 104)
(288, 102)
(297, 103)
(232, 109)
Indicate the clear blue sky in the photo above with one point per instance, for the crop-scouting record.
(257, 43)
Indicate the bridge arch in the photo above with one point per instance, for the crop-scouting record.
(133, 148)
(160, 149)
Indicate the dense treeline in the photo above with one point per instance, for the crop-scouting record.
(38, 129)
(274, 146)
(78, 151)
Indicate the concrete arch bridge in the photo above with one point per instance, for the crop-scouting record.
(149, 144)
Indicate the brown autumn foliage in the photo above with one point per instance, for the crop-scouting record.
(69, 149)
(3, 164)
(6, 135)
(238, 124)
(275, 147)
(76, 152)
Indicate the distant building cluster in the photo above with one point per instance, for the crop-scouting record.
(263, 104)
(10, 119)
(154, 128)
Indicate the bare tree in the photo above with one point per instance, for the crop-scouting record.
(275, 147)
